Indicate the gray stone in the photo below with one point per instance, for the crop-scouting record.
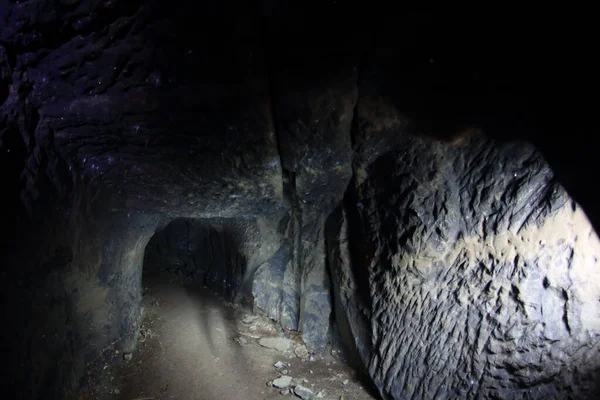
(277, 343)
(249, 319)
(301, 352)
(127, 356)
(282, 382)
(303, 392)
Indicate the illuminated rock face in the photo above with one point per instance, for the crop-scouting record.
(458, 264)
(466, 271)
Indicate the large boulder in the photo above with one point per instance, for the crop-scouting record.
(465, 270)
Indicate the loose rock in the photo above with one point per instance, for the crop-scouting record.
(127, 356)
(280, 344)
(284, 392)
(303, 392)
(280, 365)
(282, 382)
(242, 341)
(249, 319)
(301, 352)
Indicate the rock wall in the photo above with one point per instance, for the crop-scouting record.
(465, 270)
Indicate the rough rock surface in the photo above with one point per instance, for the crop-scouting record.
(465, 271)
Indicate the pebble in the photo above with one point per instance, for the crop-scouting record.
(282, 382)
(284, 392)
(301, 352)
(320, 395)
(284, 371)
(249, 319)
(345, 382)
(242, 341)
(127, 356)
(302, 392)
(280, 365)
(279, 344)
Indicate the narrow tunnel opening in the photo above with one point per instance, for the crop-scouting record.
(209, 329)
(197, 253)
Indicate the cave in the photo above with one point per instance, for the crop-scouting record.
(265, 200)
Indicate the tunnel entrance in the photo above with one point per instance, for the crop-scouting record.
(200, 338)
(195, 252)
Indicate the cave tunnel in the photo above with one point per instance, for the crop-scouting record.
(283, 202)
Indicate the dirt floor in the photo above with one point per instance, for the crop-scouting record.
(193, 345)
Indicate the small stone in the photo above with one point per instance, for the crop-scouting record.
(302, 392)
(242, 341)
(280, 344)
(127, 356)
(280, 365)
(301, 352)
(284, 392)
(305, 380)
(270, 384)
(249, 319)
(282, 382)
(311, 371)
(320, 395)
(345, 382)
(284, 371)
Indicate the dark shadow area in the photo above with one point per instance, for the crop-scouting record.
(514, 75)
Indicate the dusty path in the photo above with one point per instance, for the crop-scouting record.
(195, 346)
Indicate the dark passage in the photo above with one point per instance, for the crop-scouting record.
(201, 252)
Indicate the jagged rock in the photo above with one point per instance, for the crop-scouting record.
(277, 343)
(468, 227)
(282, 382)
(303, 392)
